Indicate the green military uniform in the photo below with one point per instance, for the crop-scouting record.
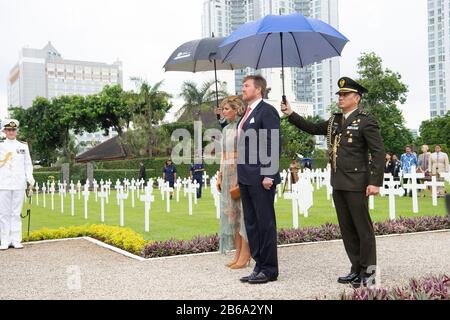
(349, 141)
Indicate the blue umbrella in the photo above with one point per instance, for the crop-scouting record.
(282, 41)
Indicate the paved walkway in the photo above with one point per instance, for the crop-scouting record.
(49, 271)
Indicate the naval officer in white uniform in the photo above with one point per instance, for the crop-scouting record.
(16, 169)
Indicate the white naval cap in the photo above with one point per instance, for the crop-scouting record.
(10, 124)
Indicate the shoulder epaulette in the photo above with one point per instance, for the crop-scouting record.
(364, 113)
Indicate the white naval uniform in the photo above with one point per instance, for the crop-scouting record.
(16, 169)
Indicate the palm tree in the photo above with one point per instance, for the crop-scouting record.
(198, 98)
(149, 106)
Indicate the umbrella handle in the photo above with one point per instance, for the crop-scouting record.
(283, 98)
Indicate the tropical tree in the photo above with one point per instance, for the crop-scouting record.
(149, 107)
(199, 98)
(386, 92)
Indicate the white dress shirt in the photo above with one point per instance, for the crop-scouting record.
(16, 168)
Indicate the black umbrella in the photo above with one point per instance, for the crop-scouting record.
(200, 55)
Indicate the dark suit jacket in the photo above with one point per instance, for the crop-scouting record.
(389, 167)
(264, 116)
(360, 133)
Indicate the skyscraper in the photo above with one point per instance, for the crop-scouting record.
(43, 72)
(438, 55)
(317, 83)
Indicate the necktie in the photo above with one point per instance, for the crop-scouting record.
(245, 117)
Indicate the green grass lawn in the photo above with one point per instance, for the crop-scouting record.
(178, 224)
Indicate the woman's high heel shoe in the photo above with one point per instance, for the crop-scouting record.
(240, 266)
(229, 264)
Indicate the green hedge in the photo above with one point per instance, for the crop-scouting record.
(130, 169)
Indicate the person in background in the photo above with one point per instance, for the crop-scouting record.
(397, 167)
(170, 174)
(142, 174)
(389, 164)
(423, 164)
(438, 165)
(408, 160)
(220, 117)
(196, 174)
(294, 168)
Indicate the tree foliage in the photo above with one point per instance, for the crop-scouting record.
(386, 92)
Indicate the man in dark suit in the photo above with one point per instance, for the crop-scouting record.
(258, 174)
(350, 136)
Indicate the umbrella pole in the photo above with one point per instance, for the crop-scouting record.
(282, 67)
(217, 90)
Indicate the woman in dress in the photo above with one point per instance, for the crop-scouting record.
(232, 227)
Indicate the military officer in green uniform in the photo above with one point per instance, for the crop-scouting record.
(351, 135)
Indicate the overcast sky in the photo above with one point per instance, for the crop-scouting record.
(142, 34)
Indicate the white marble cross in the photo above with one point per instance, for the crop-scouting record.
(52, 192)
(205, 179)
(196, 187)
(292, 195)
(64, 185)
(392, 188)
(371, 202)
(133, 188)
(95, 184)
(61, 196)
(191, 190)
(147, 198)
(118, 187)
(434, 184)
(414, 186)
(72, 192)
(37, 194)
(304, 192)
(44, 188)
(103, 194)
(216, 195)
(122, 196)
(168, 190)
(79, 189)
(86, 198)
(178, 186)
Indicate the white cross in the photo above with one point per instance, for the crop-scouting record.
(294, 197)
(434, 184)
(191, 192)
(122, 196)
(102, 195)
(95, 184)
(196, 186)
(61, 196)
(168, 192)
(37, 194)
(216, 195)
(414, 186)
(64, 188)
(132, 188)
(86, 198)
(118, 187)
(205, 179)
(52, 192)
(148, 198)
(44, 188)
(371, 202)
(79, 189)
(178, 186)
(392, 188)
(72, 192)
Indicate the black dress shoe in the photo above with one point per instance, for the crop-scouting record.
(348, 278)
(261, 278)
(364, 281)
(247, 278)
